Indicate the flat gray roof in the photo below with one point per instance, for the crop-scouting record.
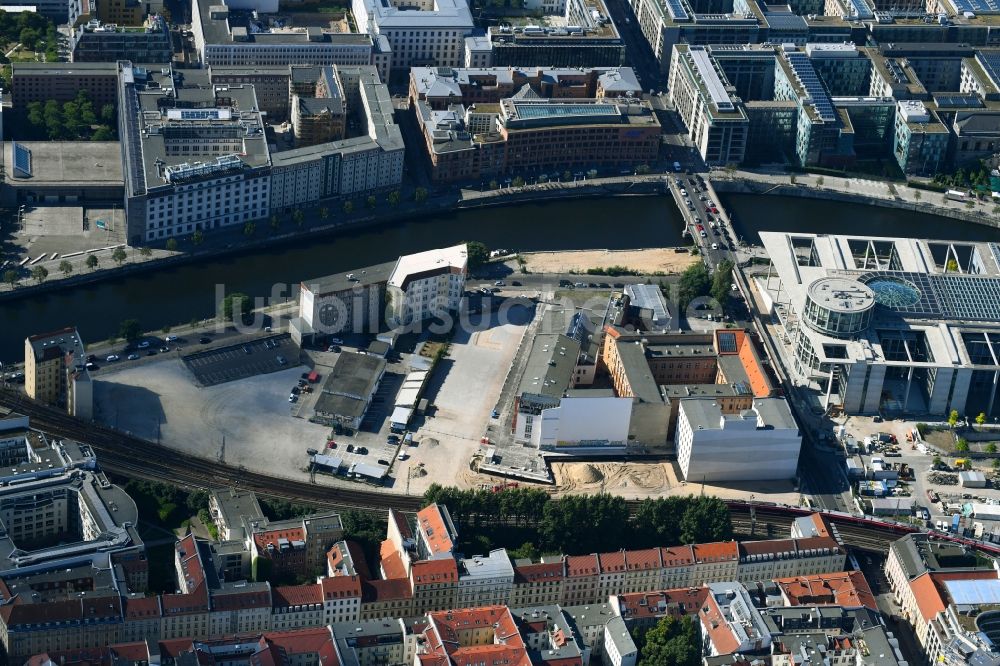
(549, 369)
(68, 162)
(338, 282)
(350, 384)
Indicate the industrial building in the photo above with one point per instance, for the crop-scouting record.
(349, 301)
(892, 325)
(348, 389)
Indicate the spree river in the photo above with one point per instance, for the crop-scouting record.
(177, 295)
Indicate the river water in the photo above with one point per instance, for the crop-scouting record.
(177, 295)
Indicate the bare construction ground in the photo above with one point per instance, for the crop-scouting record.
(637, 480)
(647, 262)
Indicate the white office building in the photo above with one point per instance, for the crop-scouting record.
(757, 444)
(419, 32)
(427, 284)
(891, 325)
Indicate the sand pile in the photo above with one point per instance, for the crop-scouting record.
(581, 474)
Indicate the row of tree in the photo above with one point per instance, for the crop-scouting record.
(74, 120)
(696, 281)
(33, 31)
(579, 524)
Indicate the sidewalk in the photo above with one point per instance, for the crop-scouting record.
(934, 202)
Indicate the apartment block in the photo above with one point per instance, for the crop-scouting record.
(55, 372)
(62, 82)
(146, 42)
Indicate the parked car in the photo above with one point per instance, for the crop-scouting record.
(114, 357)
(203, 340)
(131, 357)
(151, 352)
(281, 360)
(401, 456)
(293, 398)
(499, 283)
(171, 338)
(143, 345)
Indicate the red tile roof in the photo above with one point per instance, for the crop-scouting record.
(284, 596)
(401, 524)
(234, 600)
(582, 565)
(341, 587)
(446, 638)
(186, 551)
(679, 601)
(391, 561)
(304, 641)
(639, 560)
(375, 591)
(842, 588)
(714, 623)
(426, 572)
(431, 524)
(720, 551)
(677, 556)
(929, 596)
(538, 573)
(262, 539)
(142, 607)
(612, 562)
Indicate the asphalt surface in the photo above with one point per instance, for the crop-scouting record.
(226, 364)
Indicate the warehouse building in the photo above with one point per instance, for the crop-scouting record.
(348, 389)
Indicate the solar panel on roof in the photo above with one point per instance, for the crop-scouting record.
(22, 159)
(958, 101)
(677, 11)
(976, 6)
(804, 72)
(991, 64)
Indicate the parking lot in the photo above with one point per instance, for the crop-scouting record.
(239, 361)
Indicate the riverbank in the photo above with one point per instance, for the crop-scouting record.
(855, 190)
(322, 222)
(651, 261)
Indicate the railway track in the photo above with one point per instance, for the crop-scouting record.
(130, 456)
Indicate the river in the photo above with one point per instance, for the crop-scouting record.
(177, 295)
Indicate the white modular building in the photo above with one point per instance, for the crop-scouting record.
(756, 444)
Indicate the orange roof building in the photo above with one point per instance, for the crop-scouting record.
(849, 589)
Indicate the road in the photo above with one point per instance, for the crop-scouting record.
(638, 53)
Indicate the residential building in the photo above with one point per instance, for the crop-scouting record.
(418, 33)
(484, 580)
(147, 42)
(125, 12)
(730, 622)
(55, 372)
(758, 443)
(189, 169)
(847, 589)
(62, 82)
(785, 558)
(427, 284)
(346, 302)
(552, 638)
(475, 635)
(893, 324)
(845, 636)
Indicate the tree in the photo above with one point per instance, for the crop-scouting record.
(108, 114)
(35, 116)
(642, 169)
(996, 464)
(695, 281)
(324, 213)
(103, 133)
(145, 252)
(197, 237)
(39, 274)
(517, 182)
(53, 120)
(298, 217)
(671, 642)
(249, 229)
(348, 207)
(917, 195)
(494, 185)
(962, 445)
(393, 198)
(238, 300)
(991, 448)
(478, 254)
(275, 222)
(130, 330)
(420, 194)
(566, 175)
(722, 282)
(936, 462)
(65, 267)
(119, 256)
(171, 245)
(819, 181)
(92, 261)
(11, 277)
(953, 418)
(981, 418)
(371, 201)
(706, 519)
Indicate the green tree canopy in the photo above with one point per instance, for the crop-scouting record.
(479, 254)
(722, 282)
(39, 274)
(92, 261)
(672, 642)
(236, 300)
(694, 283)
(130, 330)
